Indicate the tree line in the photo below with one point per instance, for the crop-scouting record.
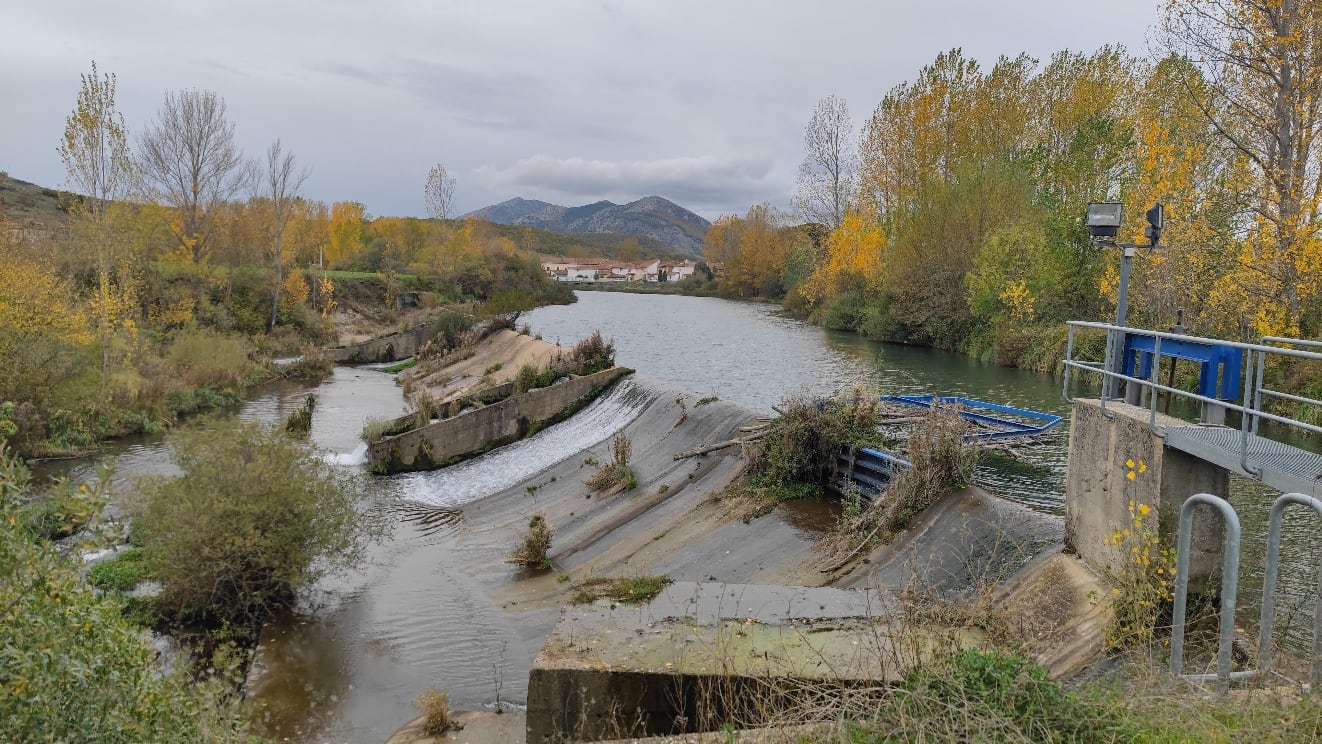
(175, 243)
(955, 217)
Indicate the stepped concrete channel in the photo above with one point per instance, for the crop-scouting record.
(744, 586)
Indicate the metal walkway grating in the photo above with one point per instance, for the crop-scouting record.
(1285, 468)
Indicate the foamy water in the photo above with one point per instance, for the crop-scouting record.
(509, 465)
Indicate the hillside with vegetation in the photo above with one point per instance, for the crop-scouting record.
(127, 302)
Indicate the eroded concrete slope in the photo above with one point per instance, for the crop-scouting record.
(469, 374)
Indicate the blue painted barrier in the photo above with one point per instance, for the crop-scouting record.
(1217, 362)
(1028, 423)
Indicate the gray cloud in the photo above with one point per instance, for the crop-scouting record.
(574, 100)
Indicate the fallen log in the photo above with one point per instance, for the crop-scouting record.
(718, 446)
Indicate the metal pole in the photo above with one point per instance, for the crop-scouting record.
(1121, 311)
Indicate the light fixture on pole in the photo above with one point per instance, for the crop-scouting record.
(1104, 219)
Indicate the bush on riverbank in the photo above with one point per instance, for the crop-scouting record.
(73, 669)
(254, 517)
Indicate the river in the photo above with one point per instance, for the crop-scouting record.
(421, 615)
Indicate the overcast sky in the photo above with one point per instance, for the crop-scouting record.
(569, 102)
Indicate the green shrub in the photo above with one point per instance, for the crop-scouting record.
(254, 517)
(974, 695)
(203, 358)
(120, 573)
(67, 509)
(533, 378)
(74, 669)
(845, 313)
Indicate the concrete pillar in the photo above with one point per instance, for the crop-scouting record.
(1099, 487)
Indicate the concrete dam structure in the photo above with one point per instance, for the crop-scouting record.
(680, 521)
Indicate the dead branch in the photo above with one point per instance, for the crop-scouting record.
(718, 446)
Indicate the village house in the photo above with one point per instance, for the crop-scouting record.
(600, 269)
(678, 271)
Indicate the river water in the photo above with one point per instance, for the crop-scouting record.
(420, 615)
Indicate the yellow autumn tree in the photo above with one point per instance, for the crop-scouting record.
(345, 238)
(1262, 60)
(294, 290)
(853, 261)
(41, 327)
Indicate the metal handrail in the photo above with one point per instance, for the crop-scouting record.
(1253, 374)
(1268, 618)
(1229, 591)
(1186, 337)
(1297, 341)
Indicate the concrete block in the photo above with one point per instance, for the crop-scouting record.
(1115, 459)
(678, 663)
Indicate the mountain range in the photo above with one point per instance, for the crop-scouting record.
(650, 217)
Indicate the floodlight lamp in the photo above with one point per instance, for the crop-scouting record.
(1104, 219)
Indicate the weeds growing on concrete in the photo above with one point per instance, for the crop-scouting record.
(436, 716)
(631, 590)
(942, 462)
(536, 544)
(616, 474)
(797, 454)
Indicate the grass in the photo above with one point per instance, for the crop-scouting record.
(532, 552)
(299, 422)
(398, 367)
(632, 590)
(436, 715)
(120, 573)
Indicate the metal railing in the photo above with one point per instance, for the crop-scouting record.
(1230, 590)
(1250, 382)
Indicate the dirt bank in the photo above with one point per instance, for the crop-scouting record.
(494, 361)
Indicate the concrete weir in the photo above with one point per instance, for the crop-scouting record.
(614, 671)
(388, 348)
(450, 440)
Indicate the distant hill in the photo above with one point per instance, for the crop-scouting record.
(651, 217)
(23, 201)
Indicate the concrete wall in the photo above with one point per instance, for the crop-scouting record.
(1098, 488)
(390, 348)
(700, 654)
(468, 434)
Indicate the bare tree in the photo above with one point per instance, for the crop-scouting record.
(438, 192)
(191, 163)
(96, 158)
(282, 180)
(830, 164)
